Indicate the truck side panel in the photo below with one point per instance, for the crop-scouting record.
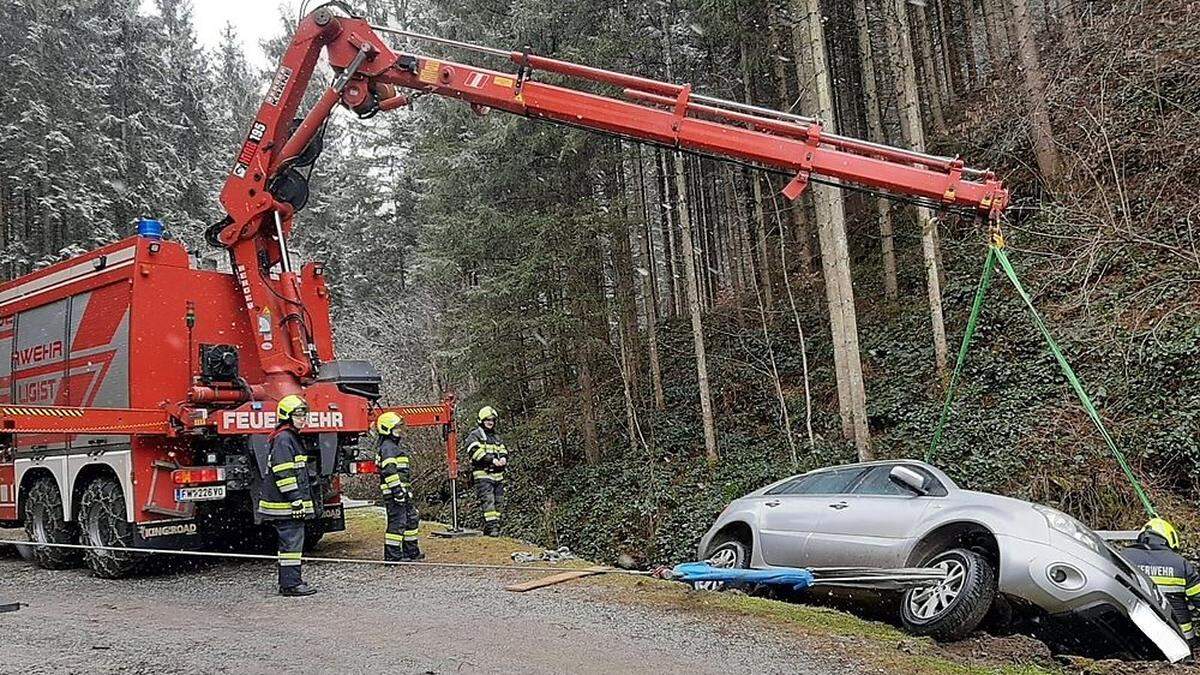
(8, 486)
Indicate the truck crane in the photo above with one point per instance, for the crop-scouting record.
(137, 388)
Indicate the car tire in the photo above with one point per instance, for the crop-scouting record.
(102, 523)
(956, 606)
(728, 554)
(44, 524)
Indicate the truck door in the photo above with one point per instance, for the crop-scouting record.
(39, 369)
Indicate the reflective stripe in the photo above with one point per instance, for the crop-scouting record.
(393, 537)
(485, 475)
(283, 467)
(290, 555)
(289, 563)
(398, 461)
(284, 483)
(1194, 590)
(1170, 581)
(1185, 627)
(491, 515)
(392, 480)
(411, 533)
(283, 508)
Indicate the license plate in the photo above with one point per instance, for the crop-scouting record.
(200, 494)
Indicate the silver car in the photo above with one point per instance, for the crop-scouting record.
(1001, 555)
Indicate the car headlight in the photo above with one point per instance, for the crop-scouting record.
(1067, 525)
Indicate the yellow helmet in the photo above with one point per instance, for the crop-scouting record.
(290, 406)
(388, 422)
(1164, 529)
(487, 412)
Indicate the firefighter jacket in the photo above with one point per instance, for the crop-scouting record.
(483, 447)
(1177, 578)
(287, 490)
(395, 474)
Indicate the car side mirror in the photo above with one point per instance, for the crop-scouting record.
(908, 479)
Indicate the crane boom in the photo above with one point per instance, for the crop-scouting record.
(264, 189)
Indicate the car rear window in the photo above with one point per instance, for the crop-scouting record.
(837, 481)
(877, 482)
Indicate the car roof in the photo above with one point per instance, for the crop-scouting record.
(938, 473)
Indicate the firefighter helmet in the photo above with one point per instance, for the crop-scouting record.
(388, 422)
(290, 406)
(1164, 529)
(487, 412)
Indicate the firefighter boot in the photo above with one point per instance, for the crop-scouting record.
(299, 591)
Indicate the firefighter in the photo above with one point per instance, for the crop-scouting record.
(287, 495)
(400, 542)
(488, 456)
(1156, 552)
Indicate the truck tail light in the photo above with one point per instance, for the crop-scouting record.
(365, 466)
(198, 475)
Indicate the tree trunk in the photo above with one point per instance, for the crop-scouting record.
(876, 134)
(667, 223)
(835, 259)
(1035, 93)
(693, 299)
(997, 29)
(910, 117)
(932, 90)
(587, 402)
(1070, 25)
(650, 297)
(970, 27)
(764, 264)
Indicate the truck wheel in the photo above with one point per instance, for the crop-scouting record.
(955, 606)
(102, 523)
(44, 524)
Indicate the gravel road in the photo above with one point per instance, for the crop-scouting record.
(224, 617)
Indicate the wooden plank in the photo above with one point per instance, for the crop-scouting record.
(555, 579)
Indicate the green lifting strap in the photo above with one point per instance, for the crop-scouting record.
(997, 254)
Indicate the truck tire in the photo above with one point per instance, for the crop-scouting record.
(954, 607)
(44, 524)
(102, 523)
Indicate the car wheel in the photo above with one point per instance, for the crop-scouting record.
(44, 524)
(955, 606)
(731, 554)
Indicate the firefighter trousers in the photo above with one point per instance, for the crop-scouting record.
(291, 547)
(491, 500)
(401, 540)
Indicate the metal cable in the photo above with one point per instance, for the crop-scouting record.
(272, 558)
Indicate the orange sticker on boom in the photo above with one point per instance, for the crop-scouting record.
(504, 82)
(429, 71)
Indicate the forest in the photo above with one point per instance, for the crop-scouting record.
(663, 332)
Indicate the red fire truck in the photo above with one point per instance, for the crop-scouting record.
(136, 387)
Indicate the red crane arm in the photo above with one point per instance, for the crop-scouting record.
(263, 189)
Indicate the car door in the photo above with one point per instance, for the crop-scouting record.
(789, 512)
(873, 523)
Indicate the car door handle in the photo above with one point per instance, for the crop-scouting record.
(773, 503)
(839, 506)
